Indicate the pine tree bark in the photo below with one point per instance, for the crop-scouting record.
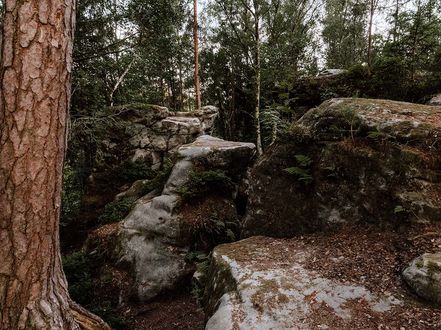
(34, 101)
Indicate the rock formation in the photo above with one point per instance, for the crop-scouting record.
(424, 276)
(349, 161)
(160, 231)
(436, 100)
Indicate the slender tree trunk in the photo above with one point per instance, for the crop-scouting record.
(371, 20)
(120, 80)
(197, 82)
(397, 13)
(258, 77)
(34, 100)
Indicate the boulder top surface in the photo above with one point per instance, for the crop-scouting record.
(341, 280)
(399, 119)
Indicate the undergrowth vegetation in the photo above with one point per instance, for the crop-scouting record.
(203, 182)
(80, 269)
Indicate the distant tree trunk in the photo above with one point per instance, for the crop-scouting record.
(34, 99)
(396, 14)
(258, 76)
(197, 82)
(371, 20)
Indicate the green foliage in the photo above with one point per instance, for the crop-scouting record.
(376, 135)
(302, 171)
(344, 32)
(107, 312)
(399, 209)
(79, 267)
(116, 211)
(205, 182)
(71, 196)
(130, 171)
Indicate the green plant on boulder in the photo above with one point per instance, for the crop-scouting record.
(214, 231)
(117, 210)
(205, 182)
(302, 171)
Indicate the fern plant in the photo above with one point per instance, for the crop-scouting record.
(302, 171)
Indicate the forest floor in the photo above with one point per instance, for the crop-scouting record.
(179, 311)
(367, 255)
(375, 258)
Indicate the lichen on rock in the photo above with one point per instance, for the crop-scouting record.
(423, 275)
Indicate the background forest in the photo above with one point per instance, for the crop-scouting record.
(261, 65)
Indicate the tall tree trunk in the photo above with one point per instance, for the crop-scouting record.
(371, 20)
(34, 100)
(258, 76)
(396, 14)
(197, 83)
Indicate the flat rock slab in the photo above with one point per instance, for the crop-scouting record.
(343, 280)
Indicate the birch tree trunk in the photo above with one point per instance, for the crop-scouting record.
(34, 100)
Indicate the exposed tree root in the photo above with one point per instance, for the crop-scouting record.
(87, 320)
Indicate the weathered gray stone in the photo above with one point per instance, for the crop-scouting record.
(424, 276)
(436, 100)
(147, 134)
(261, 283)
(153, 236)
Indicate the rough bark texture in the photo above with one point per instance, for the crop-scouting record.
(34, 100)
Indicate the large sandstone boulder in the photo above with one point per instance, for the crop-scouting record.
(424, 276)
(262, 283)
(348, 161)
(160, 232)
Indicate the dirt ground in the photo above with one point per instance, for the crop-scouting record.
(179, 311)
(375, 258)
(367, 255)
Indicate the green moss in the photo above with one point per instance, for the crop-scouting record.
(433, 267)
(117, 210)
(160, 178)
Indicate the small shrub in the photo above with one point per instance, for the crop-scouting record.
(117, 210)
(202, 183)
(212, 231)
(78, 267)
